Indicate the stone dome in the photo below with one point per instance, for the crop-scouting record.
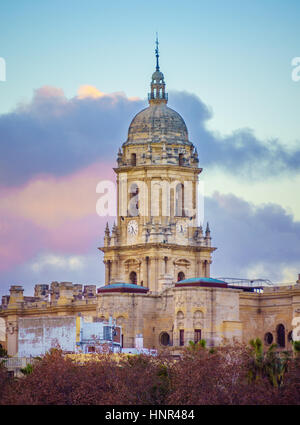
(157, 76)
(157, 123)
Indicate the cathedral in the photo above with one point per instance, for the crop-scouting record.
(157, 255)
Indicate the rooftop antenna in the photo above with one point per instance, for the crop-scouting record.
(157, 53)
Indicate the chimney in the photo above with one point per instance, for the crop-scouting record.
(16, 294)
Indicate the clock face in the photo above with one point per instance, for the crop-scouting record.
(132, 228)
(181, 227)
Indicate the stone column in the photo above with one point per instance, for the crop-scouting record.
(208, 263)
(114, 271)
(148, 182)
(12, 335)
(106, 272)
(153, 274)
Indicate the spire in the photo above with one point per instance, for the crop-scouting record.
(158, 94)
(207, 232)
(157, 53)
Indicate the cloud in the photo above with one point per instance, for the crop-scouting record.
(240, 153)
(253, 241)
(58, 136)
(89, 91)
(49, 266)
(55, 150)
(50, 201)
(72, 263)
(56, 214)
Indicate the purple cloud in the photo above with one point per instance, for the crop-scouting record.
(248, 236)
(56, 135)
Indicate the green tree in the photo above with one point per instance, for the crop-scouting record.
(296, 347)
(193, 346)
(27, 370)
(270, 364)
(3, 352)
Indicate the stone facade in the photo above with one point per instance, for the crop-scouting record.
(157, 256)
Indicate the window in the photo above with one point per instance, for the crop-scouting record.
(165, 339)
(181, 276)
(133, 210)
(268, 338)
(290, 336)
(91, 349)
(181, 337)
(206, 274)
(133, 278)
(280, 335)
(133, 159)
(179, 200)
(197, 335)
(181, 159)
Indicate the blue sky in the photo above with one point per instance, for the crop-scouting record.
(227, 66)
(235, 55)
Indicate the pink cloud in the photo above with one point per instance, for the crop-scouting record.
(52, 214)
(20, 239)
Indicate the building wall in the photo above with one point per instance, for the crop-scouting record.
(261, 313)
(38, 335)
(220, 313)
(2, 333)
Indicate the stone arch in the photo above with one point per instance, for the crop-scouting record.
(198, 318)
(180, 319)
(133, 277)
(132, 265)
(164, 339)
(182, 265)
(120, 320)
(133, 205)
(180, 315)
(180, 276)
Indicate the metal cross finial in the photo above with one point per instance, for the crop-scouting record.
(157, 53)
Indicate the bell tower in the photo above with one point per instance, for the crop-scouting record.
(158, 238)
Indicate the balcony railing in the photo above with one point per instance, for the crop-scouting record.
(157, 96)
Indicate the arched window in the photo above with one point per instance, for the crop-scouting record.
(280, 335)
(268, 338)
(179, 200)
(197, 335)
(181, 159)
(133, 208)
(165, 339)
(181, 276)
(133, 278)
(133, 159)
(205, 269)
(181, 337)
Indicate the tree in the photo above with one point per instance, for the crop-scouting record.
(270, 364)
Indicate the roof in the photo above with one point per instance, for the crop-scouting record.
(157, 123)
(123, 287)
(202, 281)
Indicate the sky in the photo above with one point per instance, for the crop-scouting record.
(77, 73)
